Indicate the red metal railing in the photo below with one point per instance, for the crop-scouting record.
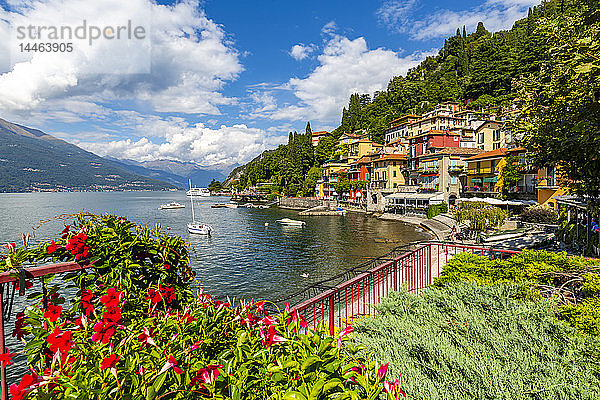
(340, 304)
(8, 278)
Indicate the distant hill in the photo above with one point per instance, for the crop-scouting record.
(31, 160)
(172, 171)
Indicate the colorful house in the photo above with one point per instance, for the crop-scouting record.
(440, 171)
(388, 171)
(420, 144)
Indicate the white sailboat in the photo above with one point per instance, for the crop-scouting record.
(194, 227)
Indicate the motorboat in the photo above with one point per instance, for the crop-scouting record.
(171, 206)
(194, 227)
(291, 222)
(198, 192)
(231, 205)
(218, 205)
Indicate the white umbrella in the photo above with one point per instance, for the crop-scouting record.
(358, 194)
(334, 193)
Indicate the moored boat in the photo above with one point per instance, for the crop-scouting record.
(195, 227)
(198, 192)
(171, 206)
(291, 222)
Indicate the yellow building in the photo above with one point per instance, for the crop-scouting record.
(549, 186)
(361, 148)
(387, 171)
(489, 136)
(324, 187)
(483, 170)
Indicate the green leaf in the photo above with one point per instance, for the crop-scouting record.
(294, 396)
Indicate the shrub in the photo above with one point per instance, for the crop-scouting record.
(136, 330)
(481, 217)
(434, 210)
(540, 215)
(467, 341)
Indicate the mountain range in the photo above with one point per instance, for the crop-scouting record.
(31, 160)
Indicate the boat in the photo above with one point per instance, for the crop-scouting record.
(171, 206)
(218, 205)
(291, 222)
(231, 205)
(198, 192)
(195, 227)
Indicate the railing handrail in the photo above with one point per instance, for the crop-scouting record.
(43, 270)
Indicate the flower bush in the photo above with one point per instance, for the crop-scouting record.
(136, 330)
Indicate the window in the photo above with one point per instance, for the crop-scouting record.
(478, 167)
(394, 174)
(493, 165)
(496, 146)
(384, 176)
(367, 176)
(480, 138)
(453, 180)
(424, 147)
(496, 135)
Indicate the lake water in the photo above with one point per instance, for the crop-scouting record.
(242, 258)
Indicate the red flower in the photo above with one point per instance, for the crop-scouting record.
(260, 306)
(382, 371)
(28, 382)
(60, 341)
(270, 336)
(207, 375)
(154, 296)
(343, 333)
(53, 247)
(394, 388)
(53, 312)
(171, 363)
(110, 361)
(11, 247)
(5, 357)
(112, 314)
(146, 336)
(20, 323)
(112, 297)
(86, 302)
(103, 332)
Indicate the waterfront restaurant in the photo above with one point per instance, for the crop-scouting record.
(405, 203)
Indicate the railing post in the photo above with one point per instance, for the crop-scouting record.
(331, 314)
(3, 384)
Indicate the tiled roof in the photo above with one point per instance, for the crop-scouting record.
(391, 157)
(320, 133)
(501, 152)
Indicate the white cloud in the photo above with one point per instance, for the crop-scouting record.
(329, 28)
(345, 67)
(396, 13)
(300, 52)
(495, 14)
(191, 59)
(178, 140)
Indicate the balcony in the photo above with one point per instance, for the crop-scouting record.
(456, 169)
(429, 170)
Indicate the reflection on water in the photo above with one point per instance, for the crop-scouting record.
(243, 258)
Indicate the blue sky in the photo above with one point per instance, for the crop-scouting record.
(219, 81)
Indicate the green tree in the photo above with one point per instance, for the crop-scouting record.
(215, 186)
(561, 106)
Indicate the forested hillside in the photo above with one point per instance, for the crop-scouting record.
(480, 68)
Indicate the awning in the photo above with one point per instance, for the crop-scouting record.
(476, 180)
(490, 180)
